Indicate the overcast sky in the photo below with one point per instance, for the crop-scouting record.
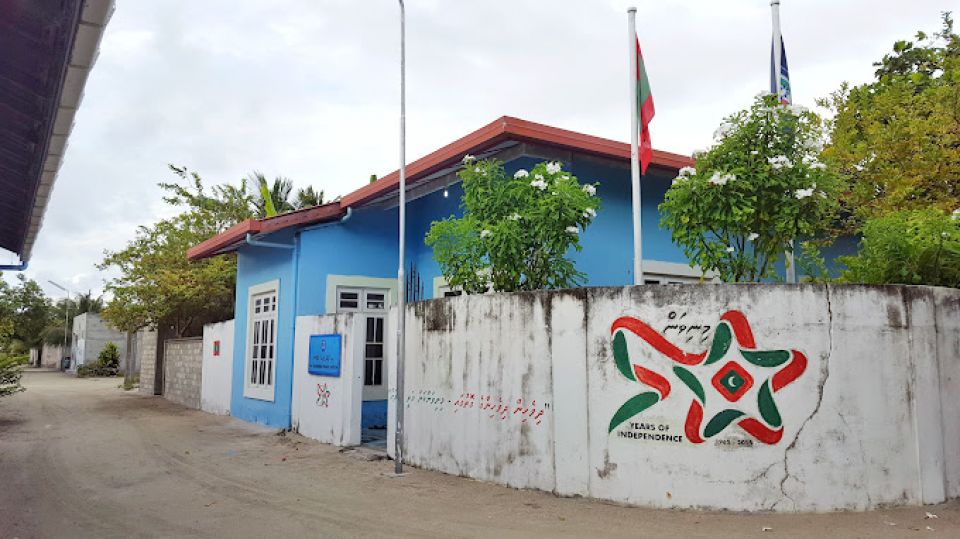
(309, 89)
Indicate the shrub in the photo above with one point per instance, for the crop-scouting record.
(11, 370)
(920, 247)
(516, 230)
(107, 364)
(760, 187)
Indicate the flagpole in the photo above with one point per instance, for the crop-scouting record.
(635, 148)
(401, 281)
(776, 68)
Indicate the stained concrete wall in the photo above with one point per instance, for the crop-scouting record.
(51, 356)
(183, 366)
(784, 398)
(217, 373)
(328, 408)
(147, 358)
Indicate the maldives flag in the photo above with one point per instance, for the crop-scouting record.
(645, 110)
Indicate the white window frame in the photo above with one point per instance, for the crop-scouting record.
(363, 308)
(265, 392)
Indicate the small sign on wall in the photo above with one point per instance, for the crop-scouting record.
(216, 348)
(324, 355)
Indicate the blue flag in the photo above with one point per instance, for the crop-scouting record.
(785, 96)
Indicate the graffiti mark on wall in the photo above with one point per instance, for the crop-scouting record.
(686, 330)
(493, 407)
(323, 395)
(732, 382)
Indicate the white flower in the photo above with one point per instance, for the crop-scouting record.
(590, 213)
(721, 179)
(589, 189)
(780, 161)
(797, 109)
(478, 170)
(822, 194)
(573, 229)
(754, 152)
(763, 94)
(539, 176)
(955, 215)
(565, 177)
(730, 249)
(688, 171)
(468, 158)
(484, 273)
(724, 130)
(801, 194)
(539, 184)
(521, 174)
(818, 166)
(485, 233)
(753, 236)
(514, 217)
(553, 167)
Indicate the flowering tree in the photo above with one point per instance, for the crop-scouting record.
(756, 190)
(515, 231)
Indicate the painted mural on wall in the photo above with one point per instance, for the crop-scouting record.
(733, 382)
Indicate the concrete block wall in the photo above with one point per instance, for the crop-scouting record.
(183, 366)
(146, 348)
(740, 397)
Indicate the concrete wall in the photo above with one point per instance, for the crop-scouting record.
(784, 398)
(90, 335)
(217, 375)
(328, 408)
(50, 358)
(147, 351)
(183, 365)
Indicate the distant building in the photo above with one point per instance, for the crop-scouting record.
(90, 336)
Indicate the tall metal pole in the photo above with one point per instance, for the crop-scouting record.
(777, 68)
(66, 318)
(635, 148)
(401, 281)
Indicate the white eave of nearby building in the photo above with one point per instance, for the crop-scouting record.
(83, 55)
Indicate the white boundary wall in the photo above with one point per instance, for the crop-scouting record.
(523, 389)
(328, 408)
(217, 373)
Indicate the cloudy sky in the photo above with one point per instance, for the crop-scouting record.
(308, 89)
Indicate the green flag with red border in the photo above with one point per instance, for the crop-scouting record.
(645, 110)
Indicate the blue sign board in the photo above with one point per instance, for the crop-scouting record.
(324, 355)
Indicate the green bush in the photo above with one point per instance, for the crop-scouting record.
(516, 231)
(107, 364)
(11, 369)
(920, 247)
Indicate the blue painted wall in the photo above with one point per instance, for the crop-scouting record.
(365, 244)
(373, 414)
(258, 265)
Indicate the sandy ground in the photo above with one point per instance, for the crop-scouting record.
(82, 458)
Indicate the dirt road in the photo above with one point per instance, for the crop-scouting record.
(82, 458)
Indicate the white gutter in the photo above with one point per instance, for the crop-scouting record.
(84, 51)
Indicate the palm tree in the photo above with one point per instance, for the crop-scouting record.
(273, 199)
(308, 198)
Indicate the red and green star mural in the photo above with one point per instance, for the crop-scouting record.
(724, 390)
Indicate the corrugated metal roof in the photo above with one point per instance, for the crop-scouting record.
(48, 48)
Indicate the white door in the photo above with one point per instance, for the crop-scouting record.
(372, 304)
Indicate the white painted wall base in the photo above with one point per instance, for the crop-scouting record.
(217, 373)
(826, 398)
(328, 408)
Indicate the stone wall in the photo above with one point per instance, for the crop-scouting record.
(740, 397)
(146, 348)
(183, 365)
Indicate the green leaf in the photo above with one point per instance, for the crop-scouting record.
(633, 407)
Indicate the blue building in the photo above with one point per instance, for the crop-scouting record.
(342, 256)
